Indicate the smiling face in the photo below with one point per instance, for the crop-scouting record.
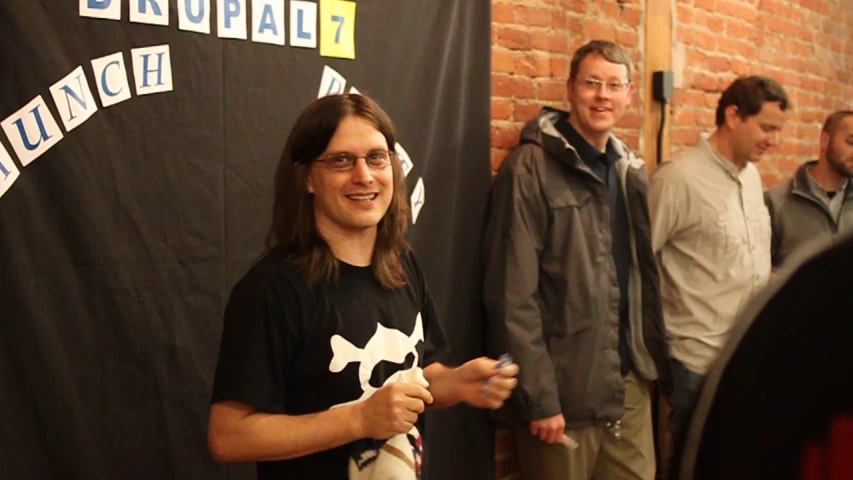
(354, 201)
(754, 135)
(599, 95)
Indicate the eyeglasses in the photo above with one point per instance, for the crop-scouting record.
(594, 84)
(345, 161)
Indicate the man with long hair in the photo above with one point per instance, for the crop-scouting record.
(816, 204)
(331, 346)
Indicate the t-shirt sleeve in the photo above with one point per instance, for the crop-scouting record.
(255, 351)
(436, 346)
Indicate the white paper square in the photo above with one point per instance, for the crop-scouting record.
(405, 159)
(111, 79)
(194, 15)
(418, 200)
(8, 171)
(106, 9)
(152, 69)
(32, 130)
(303, 24)
(73, 99)
(269, 16)
(231, 19)
(332, 82)
(151, 12)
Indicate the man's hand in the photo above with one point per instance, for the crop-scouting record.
(392, 409)
(549, 430)
(483, 385)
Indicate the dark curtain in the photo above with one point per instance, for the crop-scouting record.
(119, 245)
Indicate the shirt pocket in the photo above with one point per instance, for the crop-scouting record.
(725, 230)
(570, 262)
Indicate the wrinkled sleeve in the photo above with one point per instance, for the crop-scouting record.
(663, 208)
(518, 222)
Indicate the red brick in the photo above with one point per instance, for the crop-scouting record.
(524, 111)
(684, 115)
(501, 109)
(533, 16)
(683, 137)
(709, 5)
(514, 38)
(705, 40)
(739, 67)
(597, 29)
(739, 29)
(728, 45)
(502, 60)
(688, 97)
(707, 83)
(559, 20)
(717, 63)
(684, 13)
(559, 67)
(502, 13)
(627, 38)
(533, 65)
(716, 23)
(552, 90)
(512, 87)
(504, 137)
(632, 16)
(549, 41)
(632, 120)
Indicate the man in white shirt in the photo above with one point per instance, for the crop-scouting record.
(711, 233)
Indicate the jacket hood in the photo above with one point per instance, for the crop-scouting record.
(542, 131)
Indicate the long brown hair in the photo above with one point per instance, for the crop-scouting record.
(294, 228)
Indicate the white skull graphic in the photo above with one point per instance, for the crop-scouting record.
(386, 344)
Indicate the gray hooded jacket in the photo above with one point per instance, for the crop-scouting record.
(551, 291)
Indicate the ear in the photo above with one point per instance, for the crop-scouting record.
(732, 117)
(309, 186)
(629, 92)
(570, 90)
(824, 141)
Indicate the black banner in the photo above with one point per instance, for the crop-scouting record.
(139, 140)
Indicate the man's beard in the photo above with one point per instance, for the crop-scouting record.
(837, 162)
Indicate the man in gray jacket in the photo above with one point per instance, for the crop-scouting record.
(572, 291)
(816, 204)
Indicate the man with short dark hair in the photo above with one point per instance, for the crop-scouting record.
(571, 286)
(816, 204)
(331, 345)
(711, 232)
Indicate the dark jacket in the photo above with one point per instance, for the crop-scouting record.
(798, 217)
(551, 290)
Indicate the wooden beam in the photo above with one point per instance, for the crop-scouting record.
(657, 55)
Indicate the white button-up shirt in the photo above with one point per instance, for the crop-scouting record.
(711, 237)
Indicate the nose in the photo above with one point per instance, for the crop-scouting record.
(361, 173)
(773, 138)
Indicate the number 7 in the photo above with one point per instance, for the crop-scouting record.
(338, 18)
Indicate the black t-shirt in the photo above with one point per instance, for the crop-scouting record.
(287, 348)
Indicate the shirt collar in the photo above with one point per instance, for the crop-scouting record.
(587, 152)
(727, 165)
(816, 187)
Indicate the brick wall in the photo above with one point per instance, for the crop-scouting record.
(532, 44)
(805, 44)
